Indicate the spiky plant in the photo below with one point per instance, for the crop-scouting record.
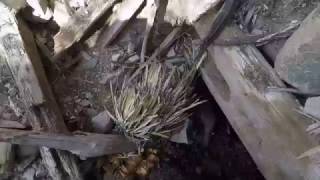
(155, 102)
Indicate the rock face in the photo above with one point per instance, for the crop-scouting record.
(298, 62)
(102, 123)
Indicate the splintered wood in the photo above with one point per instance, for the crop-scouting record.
(73, 27)
(268, 123)
(18, 48)
(122, 14)
(85, 145)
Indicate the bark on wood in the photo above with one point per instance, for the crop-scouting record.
(76, 25)
(166, 44)
(18, 47)
(118, 20)
(268, 123)
(85, 145)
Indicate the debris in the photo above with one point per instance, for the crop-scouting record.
(187, 11)
(123, 12)
(11, 124)
(298, 62)
(85, 145)
(152, 7)
(165, 45)
(238, 77)
(27, 70)
(85, 103)
(71, 28)
(102, 123)
(115, 57)
(86, 61)
(41, 11)
(134, 58)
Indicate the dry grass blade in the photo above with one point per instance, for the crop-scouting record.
(156, 102)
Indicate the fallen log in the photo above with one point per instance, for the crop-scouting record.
(268, 123)
(85, 145)
(17, 46)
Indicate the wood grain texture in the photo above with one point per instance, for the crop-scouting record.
(76, 25)
(268, 123)
(83, 144)
(17, 46)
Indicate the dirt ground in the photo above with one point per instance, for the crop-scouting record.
(225, 158)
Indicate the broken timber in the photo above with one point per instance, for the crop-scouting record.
(17, 46)
(73, 28)
(125, 10)
(83, 144)
(268, 123)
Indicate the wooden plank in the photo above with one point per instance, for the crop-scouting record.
(18, 48)
(166, 44)
(268, 123)
(152, 8)
(126, 10)
(6, 159)
(83, 144)
(74, 27)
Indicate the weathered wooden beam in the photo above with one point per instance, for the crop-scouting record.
(152, 8)
(268, 123)
(74, 26)
(166, 43)
(18, 48)
(125, 10)
(83, 144)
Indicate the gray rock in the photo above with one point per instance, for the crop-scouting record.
(312, 107)
(298, 62)
(134, 58)
(87, 62)
(102, 123)
(115, 57)
(88, 95)
(85, 103)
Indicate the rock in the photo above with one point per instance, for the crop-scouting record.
(102, 123)
(87, 62)
(134, 58)
(88, 95)
(115, 57)
(298, 62)
(85, 103)
(181, 136)
(312, 106)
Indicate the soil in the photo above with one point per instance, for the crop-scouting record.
(225, 157)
